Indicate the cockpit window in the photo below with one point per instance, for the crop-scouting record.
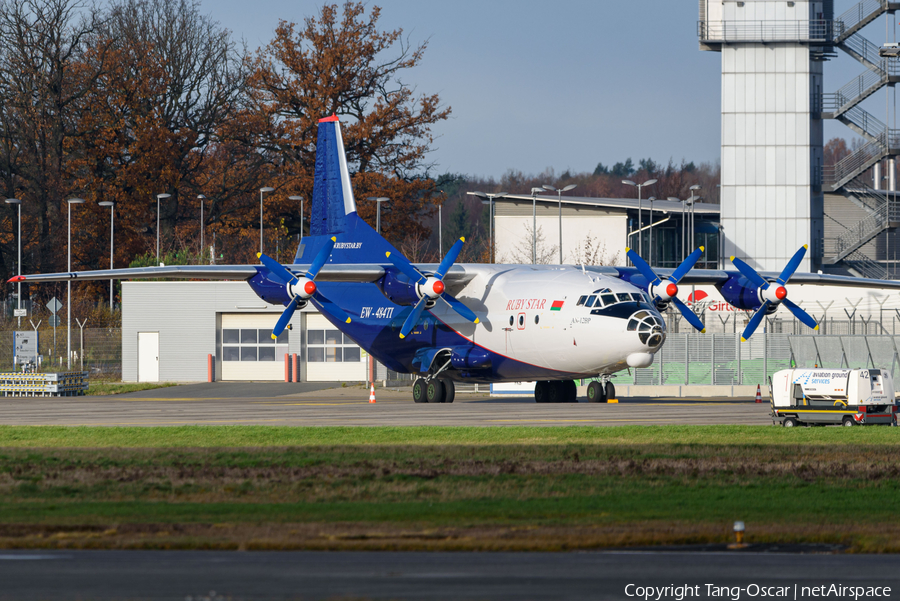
(580, 301)
(608, 299)
(623, 297)
(590, 301)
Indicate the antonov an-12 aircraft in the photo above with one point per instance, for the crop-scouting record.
(483, 323)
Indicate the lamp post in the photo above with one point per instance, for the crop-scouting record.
(71, 201)
(261, 192)
(112, 235)
(18, 203)
(488, 199)
(534, 192)
(300, 198)
(158, 198)
(640, 214)
(694, 198)
(673, 199)
(378, 200)
(559, 200)
(201, 198)
(650, 227)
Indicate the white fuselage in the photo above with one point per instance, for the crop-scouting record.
(539, 316)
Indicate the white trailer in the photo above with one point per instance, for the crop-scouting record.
(817, 397)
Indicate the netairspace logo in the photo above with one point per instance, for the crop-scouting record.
(753, 591)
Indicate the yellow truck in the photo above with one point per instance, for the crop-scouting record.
(847, 397)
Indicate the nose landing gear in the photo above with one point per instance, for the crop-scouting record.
(601, 392)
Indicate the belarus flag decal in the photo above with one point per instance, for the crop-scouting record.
(557, 305)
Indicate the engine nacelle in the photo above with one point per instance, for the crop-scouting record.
(268, 288)
(398, 288)
(740, 293)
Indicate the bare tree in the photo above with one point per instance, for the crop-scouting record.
(521, 251)
(43, 78)
(592, 251)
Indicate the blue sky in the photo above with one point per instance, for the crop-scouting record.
(561, 85)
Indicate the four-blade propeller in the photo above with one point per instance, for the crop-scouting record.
(772, 295)
(303, 288)
(666, 290)
(431, 287)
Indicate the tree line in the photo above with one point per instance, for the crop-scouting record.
(141, 98)
(147, 97)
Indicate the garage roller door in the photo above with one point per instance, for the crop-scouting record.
(248, 351)
(330, 355)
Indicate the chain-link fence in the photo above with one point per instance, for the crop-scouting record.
(734, 322)
(685, 359)
(722, 359)
(100, 355)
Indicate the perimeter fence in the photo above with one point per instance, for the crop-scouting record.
(722, 359)
(100, 356)
(685, 359)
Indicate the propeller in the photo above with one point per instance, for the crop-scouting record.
(302, 288)
(430, 287)
(666, 290)
(774, 295)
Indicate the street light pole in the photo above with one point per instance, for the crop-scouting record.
(158, 197)
(71, 201)
(112, 236)
(640, 214)
(559, 201)
(202, 224)
(261, 191)
(650, 227)
(378, 200)
(534, 192)
(490, 202)
(694, 197)
(16, 201)
(300, 198)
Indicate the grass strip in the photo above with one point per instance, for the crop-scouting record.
(104, 388)
(444, 488)
(277, 436)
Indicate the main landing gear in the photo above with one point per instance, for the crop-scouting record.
(434, 390)
(555, 391)
(600, 392)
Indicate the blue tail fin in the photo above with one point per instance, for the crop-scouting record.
(334, 208)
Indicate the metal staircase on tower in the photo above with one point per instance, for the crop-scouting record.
(881, 141)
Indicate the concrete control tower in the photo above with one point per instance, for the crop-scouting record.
(772, 53)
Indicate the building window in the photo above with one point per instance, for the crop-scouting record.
(330, 346)
(252, 345)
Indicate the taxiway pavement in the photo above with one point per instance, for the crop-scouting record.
(311, 575)
(315, 405)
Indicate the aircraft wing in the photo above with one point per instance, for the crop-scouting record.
(712, 277)
(204, 272)
(329, 273)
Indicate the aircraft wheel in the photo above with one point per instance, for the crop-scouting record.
(434, 391)
(556, 393)
(571, 390)
(419, 390)
(595, 393)
(542, 392)
(610, 391)
(848, 421)
(789, 422)
(449, 390)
